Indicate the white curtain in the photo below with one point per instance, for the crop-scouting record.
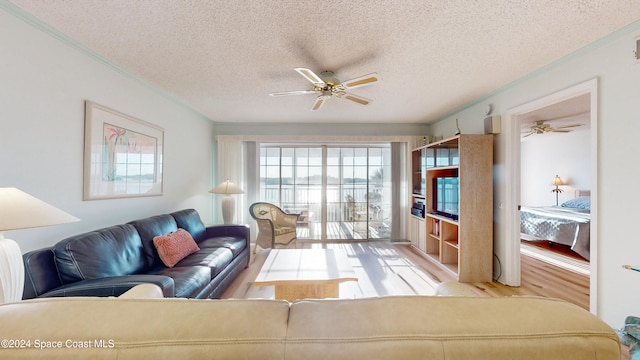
(399, 199)
(230, 166)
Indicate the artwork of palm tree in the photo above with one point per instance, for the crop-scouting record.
(130, 156)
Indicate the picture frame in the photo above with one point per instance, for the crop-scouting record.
(123, 155)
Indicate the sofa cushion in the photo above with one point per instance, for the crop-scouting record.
(174, 246)
(189, 220)
(188, 280)
(234, 243)
(113, 251)
(214, 258)
(437, 327)
(151, 227)
(147, 328)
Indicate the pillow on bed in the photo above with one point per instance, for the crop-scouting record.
(582, 202)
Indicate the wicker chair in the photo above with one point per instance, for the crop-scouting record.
(275, 227)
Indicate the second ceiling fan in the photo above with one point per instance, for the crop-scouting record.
(325, 85)
(540, 127)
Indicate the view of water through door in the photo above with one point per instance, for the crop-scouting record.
(339, 192)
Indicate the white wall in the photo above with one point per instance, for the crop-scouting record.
(612, 61)
(44, 83)
(547, 155)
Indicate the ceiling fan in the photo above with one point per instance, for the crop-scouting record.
(541, 128)
(325, 85)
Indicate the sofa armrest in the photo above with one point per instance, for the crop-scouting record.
(40, 273)
(112, 286)
(143, 291)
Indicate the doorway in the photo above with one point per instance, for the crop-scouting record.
(514, 120)
(341, 192)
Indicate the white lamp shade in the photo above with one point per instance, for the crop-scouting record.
(19, 210)
(227, 188)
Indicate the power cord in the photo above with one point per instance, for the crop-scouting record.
(499, 267)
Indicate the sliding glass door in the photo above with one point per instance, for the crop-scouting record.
(340, 192)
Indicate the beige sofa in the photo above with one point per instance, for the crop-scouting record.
(442, 327)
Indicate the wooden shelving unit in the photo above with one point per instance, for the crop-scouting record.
(462, 245)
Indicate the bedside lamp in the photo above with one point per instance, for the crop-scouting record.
(227, 188)
(557, 182)
(19, 210)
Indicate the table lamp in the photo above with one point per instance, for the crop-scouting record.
(557, 182)
(227, 188)
(19, 210)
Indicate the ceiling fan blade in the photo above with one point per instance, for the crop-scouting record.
(357, 99)
(568, 126)
(361, 81)
(311, 76)
(529, 134)
(562, 131)
(320, 100)
(299, 92)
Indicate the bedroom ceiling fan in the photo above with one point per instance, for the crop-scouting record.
(541, 128)
(326, 86)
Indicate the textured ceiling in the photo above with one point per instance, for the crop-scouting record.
(222, 58)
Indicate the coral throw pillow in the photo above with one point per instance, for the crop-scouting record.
(175, 246)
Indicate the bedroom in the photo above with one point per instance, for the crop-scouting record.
(555, 147)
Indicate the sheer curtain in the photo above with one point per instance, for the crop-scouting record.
(399, 198)
(231, 155)
(238, 161)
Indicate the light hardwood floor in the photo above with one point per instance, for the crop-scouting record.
(385, 268)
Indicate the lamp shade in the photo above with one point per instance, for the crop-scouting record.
(227, 188)
(557, 181)
(19, 210)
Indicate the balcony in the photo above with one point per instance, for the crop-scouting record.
(360, 215)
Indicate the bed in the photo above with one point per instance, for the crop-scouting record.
(567, 224)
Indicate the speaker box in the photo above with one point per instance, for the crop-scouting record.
(492, 124)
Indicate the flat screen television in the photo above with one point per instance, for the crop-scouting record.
(446, 192)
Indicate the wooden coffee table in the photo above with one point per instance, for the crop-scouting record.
(305, 273)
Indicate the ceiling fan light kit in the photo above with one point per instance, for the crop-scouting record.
(325, 85)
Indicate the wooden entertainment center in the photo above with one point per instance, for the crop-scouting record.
(452, 183)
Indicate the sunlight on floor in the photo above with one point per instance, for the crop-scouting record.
(382, 270)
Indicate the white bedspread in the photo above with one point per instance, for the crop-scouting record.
(561, 225)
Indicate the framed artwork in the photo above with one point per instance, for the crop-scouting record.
(122, 155)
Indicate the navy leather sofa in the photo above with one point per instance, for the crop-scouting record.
(110, 261)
